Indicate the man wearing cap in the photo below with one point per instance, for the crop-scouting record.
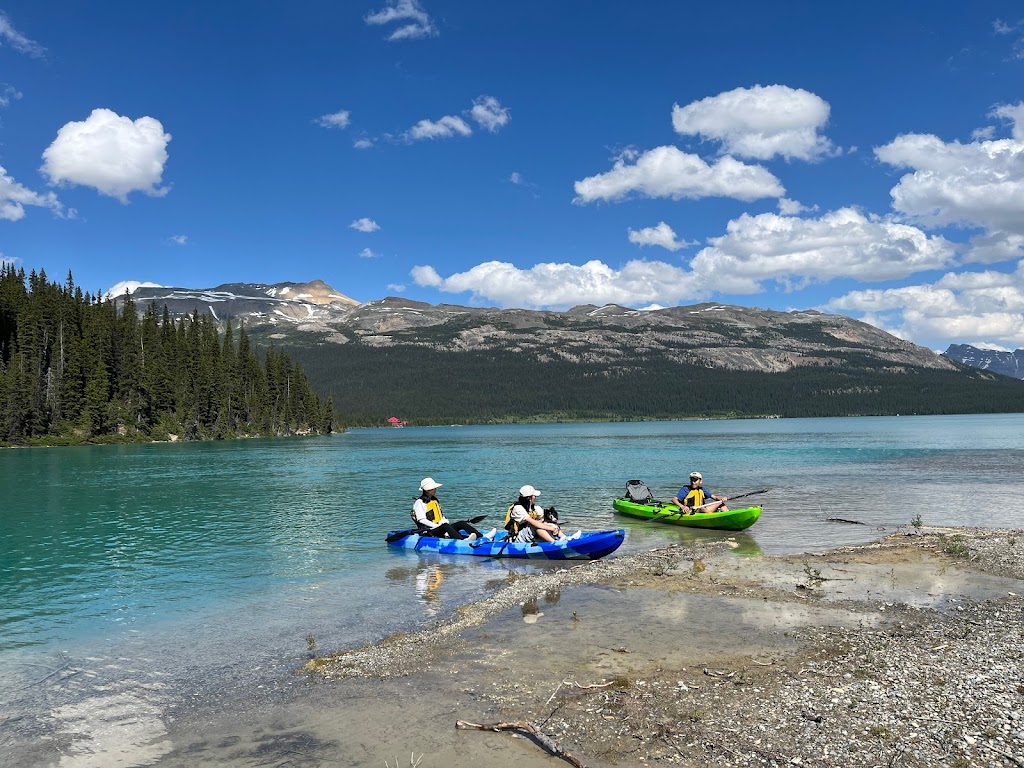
(426, 511)
(526, 520)
(694, 498)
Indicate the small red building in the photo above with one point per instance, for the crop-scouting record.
(394, 421)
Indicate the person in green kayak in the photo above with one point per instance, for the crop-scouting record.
(695, 495)
(426, 512)
(525, 520)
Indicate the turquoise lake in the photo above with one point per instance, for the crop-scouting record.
(214, 565)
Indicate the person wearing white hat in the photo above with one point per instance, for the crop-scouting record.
(426, 512)
(525, 520)
(693, 498)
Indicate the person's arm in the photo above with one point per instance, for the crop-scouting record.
(540, 524)
(679, 502)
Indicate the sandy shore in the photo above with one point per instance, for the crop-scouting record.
(907, 651)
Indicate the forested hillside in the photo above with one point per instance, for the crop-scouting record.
(435, 386)
(74, 368)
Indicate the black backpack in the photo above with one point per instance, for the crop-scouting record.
(638, 492)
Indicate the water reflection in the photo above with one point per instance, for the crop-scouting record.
(531, 608)
(428, 579)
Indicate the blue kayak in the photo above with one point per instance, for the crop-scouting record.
(586, 546)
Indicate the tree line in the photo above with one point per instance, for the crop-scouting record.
(74, 367)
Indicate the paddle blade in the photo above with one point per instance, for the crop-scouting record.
(396, 535)
(477, 519)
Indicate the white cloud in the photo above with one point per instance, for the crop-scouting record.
(789, 207)
(365, 224)
(761, 122)
(980, 184)
(668, 172)
(8, 93)
(446, 127)
(566, 285)
(959, 308)
(17, 41)
(340, 119)
(396, 287)
(489, 113)
(795, 251)
(14, 197)
(366, 253)
(112, 154)
(993, 247)
(128, 285)
(362, 143)
(420, 24)
(177, 240)
(662, 235)
(516, 178)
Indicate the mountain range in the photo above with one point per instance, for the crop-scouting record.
(1005, 363)
(443, 363)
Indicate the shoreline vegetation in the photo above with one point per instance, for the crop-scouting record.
(75, 370)
(905, 651)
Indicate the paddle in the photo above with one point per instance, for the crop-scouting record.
(396, 535)
(710, 503)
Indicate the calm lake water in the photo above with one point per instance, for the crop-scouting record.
(192, 569)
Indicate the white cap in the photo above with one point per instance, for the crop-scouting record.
(528, 490)
(697, 475)
(428, 484)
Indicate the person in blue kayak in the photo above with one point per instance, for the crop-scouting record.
(692, 498)
(426, 512)
(525, 520)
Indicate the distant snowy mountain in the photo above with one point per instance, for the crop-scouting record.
(293, 304)
(1005, 363)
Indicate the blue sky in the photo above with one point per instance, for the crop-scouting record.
(862, 159)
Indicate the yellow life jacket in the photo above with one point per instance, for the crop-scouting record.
(433, 511)
(514, 527)
(695, 497)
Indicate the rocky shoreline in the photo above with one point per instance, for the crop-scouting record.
(907, 651)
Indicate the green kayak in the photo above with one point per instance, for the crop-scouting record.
(733, 520)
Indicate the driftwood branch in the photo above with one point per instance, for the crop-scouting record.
(844, 520)
(523, 725)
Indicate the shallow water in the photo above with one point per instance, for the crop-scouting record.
(159, 577)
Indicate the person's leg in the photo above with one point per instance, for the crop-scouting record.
(540, 533)
(446, 529)
(466, 527)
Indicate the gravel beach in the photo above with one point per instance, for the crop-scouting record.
(906, 651)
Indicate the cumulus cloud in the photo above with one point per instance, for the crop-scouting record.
(789, 207)
(110, 153)
(12, 37)
(445, 128)
(980, 184)
(414, 21)
(365, 224)
(797, 251)
(396, 287)
(14, 197)
(669, 172)
(662, 235)
(177, 240)
(362, 143)
(761, 122)
(566, 285)
(339, 119)
(489, 114)
(366, 253)
(959, 307)
(128, 286)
